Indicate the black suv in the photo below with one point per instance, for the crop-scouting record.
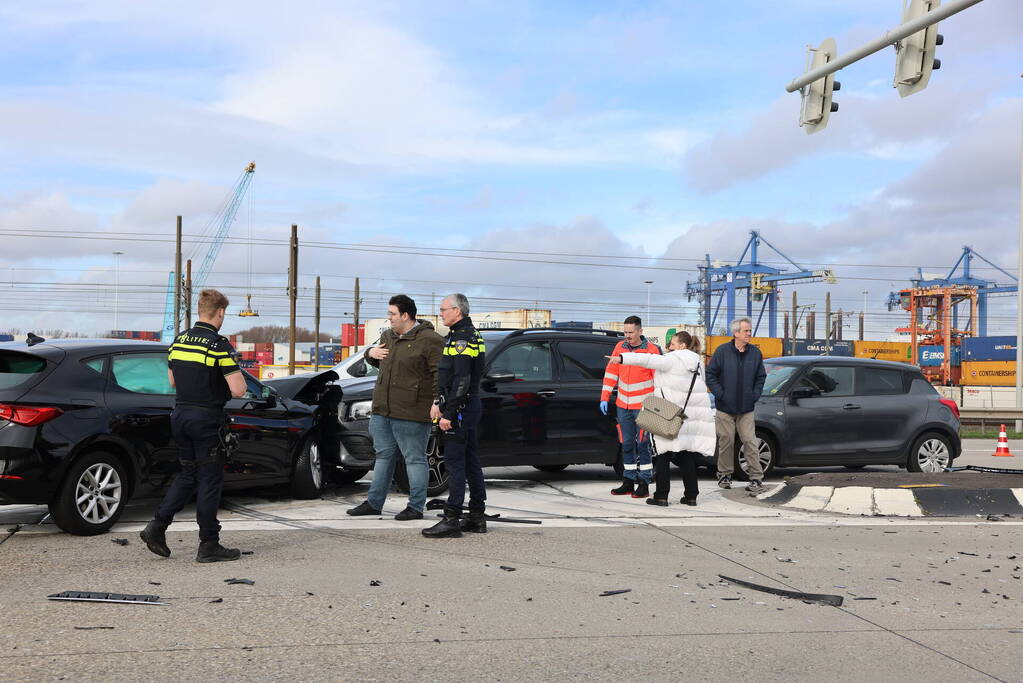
(540, 393)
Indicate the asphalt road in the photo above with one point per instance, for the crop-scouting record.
(922, 599)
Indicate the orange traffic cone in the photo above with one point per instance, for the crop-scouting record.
(1003, 445)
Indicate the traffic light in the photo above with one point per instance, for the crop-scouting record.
(817, 104)
(914, 55)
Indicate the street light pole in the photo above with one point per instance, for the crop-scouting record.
(117, 257)
(1019, 303)
(648, 283)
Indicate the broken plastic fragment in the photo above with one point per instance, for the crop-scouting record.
(822, 598)
(615, 592)
(247, 582)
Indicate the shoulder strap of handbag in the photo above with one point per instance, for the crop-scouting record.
(692, 383)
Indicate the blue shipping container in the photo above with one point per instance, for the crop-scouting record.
(823, 347)
(989, 348)
(6, 337)
(931, 356)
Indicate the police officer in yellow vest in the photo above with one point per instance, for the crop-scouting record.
(459, 409)
(202, 369)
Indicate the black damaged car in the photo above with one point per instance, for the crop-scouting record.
(85, 427)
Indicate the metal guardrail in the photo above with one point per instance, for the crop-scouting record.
(991, 414)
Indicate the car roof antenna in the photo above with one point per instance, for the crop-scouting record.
(33, 339)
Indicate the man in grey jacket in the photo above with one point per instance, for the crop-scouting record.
(407, 356)
(736, 377)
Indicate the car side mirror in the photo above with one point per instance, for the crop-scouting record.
(499, 377)
(804, 392)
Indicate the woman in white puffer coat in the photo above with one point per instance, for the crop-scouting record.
(673, 373)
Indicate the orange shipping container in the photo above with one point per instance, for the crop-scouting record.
(989, 373)
(896, 351)
(769, 346)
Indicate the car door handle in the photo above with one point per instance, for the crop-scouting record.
(851, 406)
(549, 393)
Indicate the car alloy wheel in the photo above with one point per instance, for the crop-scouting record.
(438, 480)
(98, 493)
(315, 465)
(932, 455)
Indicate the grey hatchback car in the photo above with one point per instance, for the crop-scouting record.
(829, 410)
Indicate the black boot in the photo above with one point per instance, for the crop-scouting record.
(155, 538)
(627, 487)
(212, 551)
(448, 527)
(642, 490)
(475, 523)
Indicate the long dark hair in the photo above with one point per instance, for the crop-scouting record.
(692, 342)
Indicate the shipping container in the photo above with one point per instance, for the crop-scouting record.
(348, 334)
(881, 350)
(989, 348)
(997, 373)
(263, 347)
(248, 364)
(662, 335)
(6, 337)
(244, 346)
(933, 374)
(822, 347)
(932, 355)
(770, 347)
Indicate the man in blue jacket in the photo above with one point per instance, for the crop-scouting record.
(736, 377)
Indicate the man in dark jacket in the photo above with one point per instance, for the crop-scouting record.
(407, 356)
(736, 377)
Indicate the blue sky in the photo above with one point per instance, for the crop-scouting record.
(646, 129)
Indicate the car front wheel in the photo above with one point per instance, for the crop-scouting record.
(438, 474)
(930, 453)
(92, 496)
(768, 456)
(307, 479)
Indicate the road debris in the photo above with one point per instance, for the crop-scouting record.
(374, 582)
(94, 628)
(507, 568)
(247, 582)
(94, 596)
(615, 592)
(216, 600)
(822, 598)
(119, 541)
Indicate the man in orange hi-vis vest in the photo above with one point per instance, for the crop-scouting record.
(634, 384)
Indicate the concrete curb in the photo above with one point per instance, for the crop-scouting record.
(932, 500)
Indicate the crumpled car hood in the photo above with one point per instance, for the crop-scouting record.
(305, 388)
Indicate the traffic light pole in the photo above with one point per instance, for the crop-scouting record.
(889, 38)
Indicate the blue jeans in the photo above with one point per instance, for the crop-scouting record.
(389, 437)
(635, 447)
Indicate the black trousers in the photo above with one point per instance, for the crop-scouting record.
(462, 459)
(662, 474)
(196, 432)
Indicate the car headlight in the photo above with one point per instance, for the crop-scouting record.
(360, 410)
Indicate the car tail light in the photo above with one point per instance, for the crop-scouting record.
(951, 406)
(29, 416)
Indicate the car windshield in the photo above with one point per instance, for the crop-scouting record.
(777, 375)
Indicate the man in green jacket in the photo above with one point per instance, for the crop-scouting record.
(407, 356)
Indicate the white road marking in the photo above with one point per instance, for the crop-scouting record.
(811, 498)
(896, 502)
(851, 500)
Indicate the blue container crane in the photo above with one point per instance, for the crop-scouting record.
(213, 234)
(984, 287)
(760, 282)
